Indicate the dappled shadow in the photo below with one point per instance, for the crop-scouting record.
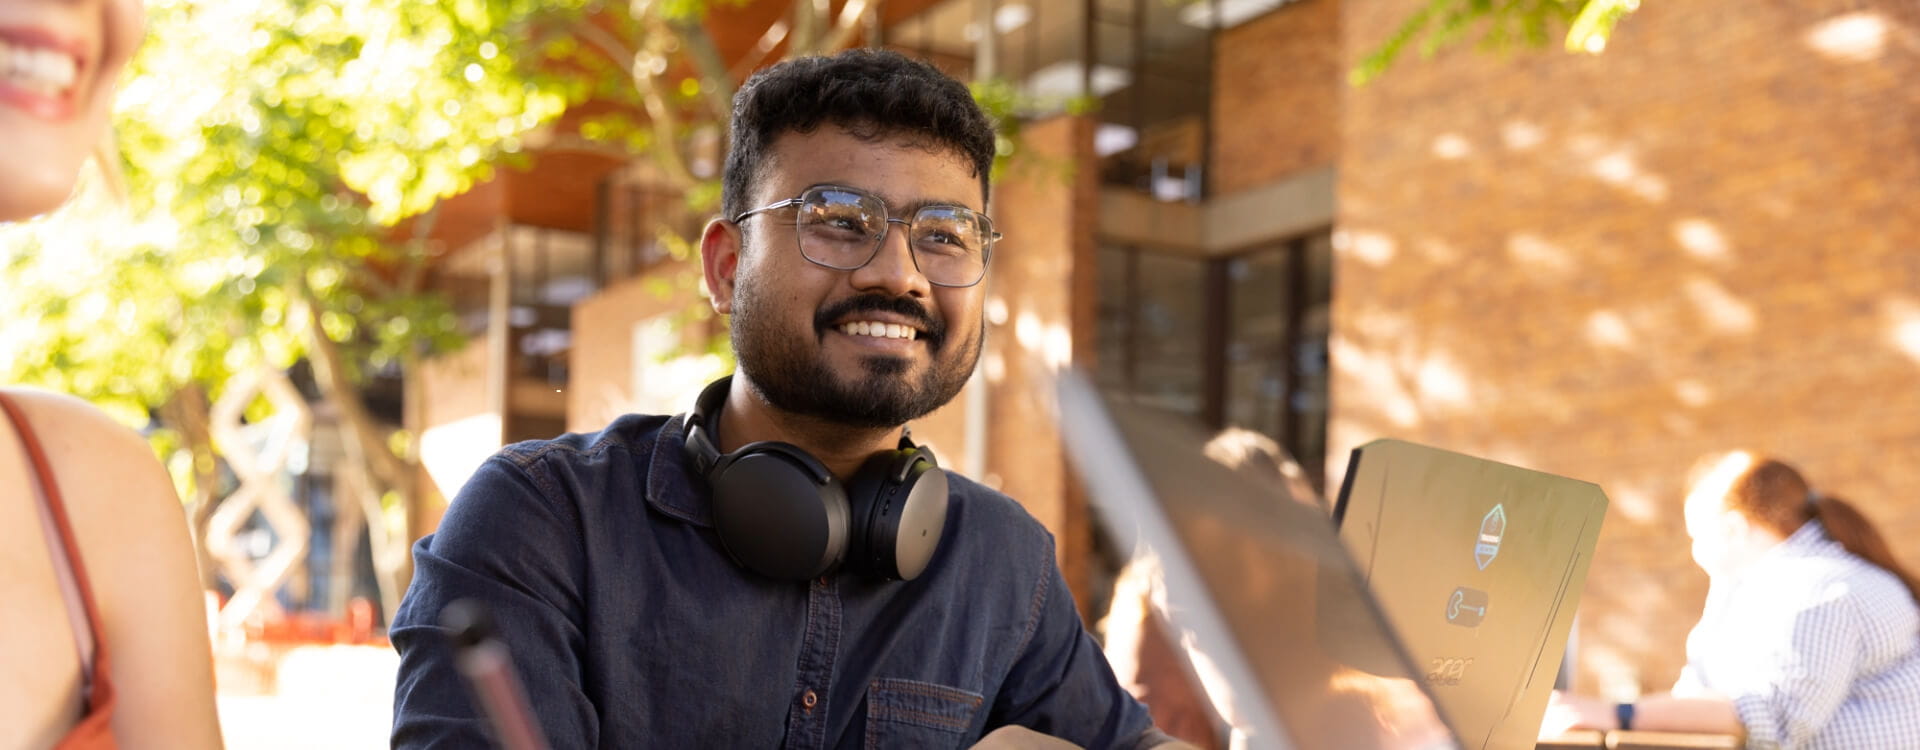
(1606, 266)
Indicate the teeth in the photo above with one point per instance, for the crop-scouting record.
(880, 330)
(38, 69)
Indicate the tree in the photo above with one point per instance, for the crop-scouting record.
(1503, 25)
(270, 149)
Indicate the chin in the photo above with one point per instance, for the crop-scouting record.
(30, 190)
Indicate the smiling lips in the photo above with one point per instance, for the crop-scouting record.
(878, 330)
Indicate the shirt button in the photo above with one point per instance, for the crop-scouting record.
(810, 699)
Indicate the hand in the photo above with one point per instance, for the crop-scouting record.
(1012, 737)
(1567, 711)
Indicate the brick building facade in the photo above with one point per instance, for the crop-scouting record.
(1596, 266)
(1606, 266)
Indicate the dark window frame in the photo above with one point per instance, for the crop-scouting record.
(1216, 333)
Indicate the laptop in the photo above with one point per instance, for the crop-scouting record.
(1479, 567)
(1266, 591)
(1248, 579)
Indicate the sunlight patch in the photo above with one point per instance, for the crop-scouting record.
(1606, 328)
(1451, 146)
(1903, 327)
(1853, 37)
(1540, 254)
(1521, 135)
(1701, 239)
(1692, 392)
(1441, 381)
(1371, 248)
(1722, 311)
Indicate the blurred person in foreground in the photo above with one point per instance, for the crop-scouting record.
(106, 637)
(851, 260)
(1810, 637)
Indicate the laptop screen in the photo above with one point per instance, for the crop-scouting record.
(1479, 567)
(1257, 585)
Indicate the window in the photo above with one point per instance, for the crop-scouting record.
(1154, 325)
(1154, 84)
(1234, 341)
(1276, 346)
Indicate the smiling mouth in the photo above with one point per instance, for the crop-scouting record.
(37, 70)
(878, 330)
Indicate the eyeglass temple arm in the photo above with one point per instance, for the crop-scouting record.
(769, 207)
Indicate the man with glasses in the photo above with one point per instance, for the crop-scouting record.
(645, 578)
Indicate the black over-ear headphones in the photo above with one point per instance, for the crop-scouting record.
(781, 514)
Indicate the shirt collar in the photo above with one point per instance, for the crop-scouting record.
(1804, 541)
(672, 486)
(1808, 537)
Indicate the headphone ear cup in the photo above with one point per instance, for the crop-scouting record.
(776, 516)
(899, 505)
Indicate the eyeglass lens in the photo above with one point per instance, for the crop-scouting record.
(843, 229)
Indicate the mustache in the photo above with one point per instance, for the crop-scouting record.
(934, 331)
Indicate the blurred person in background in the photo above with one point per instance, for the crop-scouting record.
(1811, 633)
(106, 636)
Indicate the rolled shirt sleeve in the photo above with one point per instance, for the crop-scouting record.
(1799, 688)
(1061, 684)
(504, 544)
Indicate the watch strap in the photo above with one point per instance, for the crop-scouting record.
(1623, 713)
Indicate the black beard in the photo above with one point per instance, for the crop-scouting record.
(793, 375)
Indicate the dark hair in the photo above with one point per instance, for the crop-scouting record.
(1775, 496)
(872, 93)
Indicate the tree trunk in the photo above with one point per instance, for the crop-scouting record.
(807, 15)
(377, 470)
(188, 412)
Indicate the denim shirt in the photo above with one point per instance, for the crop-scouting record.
(631, 627)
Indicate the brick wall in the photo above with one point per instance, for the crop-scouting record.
(1043, 280)
(1606, 266)
(607, 375)
(1276, 96)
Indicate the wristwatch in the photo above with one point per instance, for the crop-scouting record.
(1623, 713)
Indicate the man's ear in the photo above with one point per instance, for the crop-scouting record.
(720, 260)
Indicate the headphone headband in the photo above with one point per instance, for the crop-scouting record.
(705, 453)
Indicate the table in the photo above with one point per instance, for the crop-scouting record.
(1592, 739)
(1637, 740)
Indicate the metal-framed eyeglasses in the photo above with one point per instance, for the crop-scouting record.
(842, 228)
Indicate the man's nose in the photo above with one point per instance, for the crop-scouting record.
(893, 270)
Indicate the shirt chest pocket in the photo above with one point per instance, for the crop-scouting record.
(914, 714)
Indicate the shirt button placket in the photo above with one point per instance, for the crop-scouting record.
(806, 727)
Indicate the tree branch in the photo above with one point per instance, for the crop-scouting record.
(187, 411)
(665, 136)
(579, 144)
(846, 26)
(806, 28)
(716, 82)
(607, 44)
(360, 437)
(415, 266)
(776, 33)
(659, 115)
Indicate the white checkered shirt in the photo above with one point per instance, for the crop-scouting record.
(1817, 648)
